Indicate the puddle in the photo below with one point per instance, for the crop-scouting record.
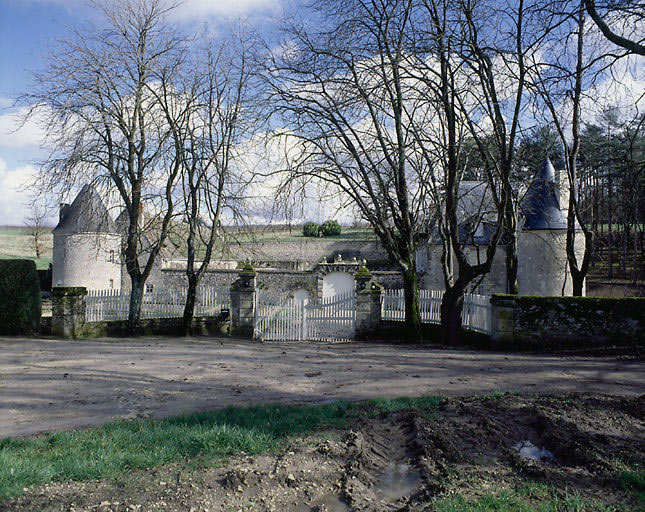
(530, 451)
(398, 479)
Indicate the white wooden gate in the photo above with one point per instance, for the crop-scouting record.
(288, 319)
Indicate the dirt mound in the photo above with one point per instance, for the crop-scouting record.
(407, 460)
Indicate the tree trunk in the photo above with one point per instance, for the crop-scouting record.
(511, 246)
(136, 298)
(413, 329)
(511, 265)
(189, 308)
(452, 305)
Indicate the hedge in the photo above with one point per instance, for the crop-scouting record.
(20, 307)
(310, 229)
(330, 228)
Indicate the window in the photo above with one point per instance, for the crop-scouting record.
(111, 284)
(111, 257)
(149, 288)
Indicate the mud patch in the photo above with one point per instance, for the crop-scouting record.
(409, 460)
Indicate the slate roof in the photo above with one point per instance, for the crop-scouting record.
(87, 214)
(540, 206)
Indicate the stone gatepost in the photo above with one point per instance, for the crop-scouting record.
(243, 302)
(502, 318)
(68, 311)
(369, 298)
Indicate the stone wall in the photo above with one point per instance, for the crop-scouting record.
(567, 322)
(312, 250)
(202, 326)
(277, 281)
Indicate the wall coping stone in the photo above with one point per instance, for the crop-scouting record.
(68, 291)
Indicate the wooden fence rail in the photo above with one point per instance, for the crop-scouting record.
(106, 305)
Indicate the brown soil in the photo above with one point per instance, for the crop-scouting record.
(63, 384)
(399, 461)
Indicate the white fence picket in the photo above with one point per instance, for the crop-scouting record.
(107, 305)
(475, 315)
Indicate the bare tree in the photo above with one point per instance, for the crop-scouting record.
(210, 111)
(444, 38)
(97, 95)
(36, 228)
(341, 91)
(627, 14)
(565, 81)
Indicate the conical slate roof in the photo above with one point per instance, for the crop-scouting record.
(87, 214)
(540, 206)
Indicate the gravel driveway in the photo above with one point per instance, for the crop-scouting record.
(53, 384)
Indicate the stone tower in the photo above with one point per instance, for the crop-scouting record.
(543, 267)
(87, 245)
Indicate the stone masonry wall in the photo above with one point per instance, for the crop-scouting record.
(559, 322)
(313, 250)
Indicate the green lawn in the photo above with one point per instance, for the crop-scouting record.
(15, 243)
(110, 449)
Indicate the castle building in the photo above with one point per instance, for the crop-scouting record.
(541, 244)
(88, 245)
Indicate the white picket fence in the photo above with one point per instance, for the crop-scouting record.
(106, 305)
(289, 319)
(475, 314)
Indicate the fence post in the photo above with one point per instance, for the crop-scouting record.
(243, 302)
(369, 299)
(502, 318)
(68, 311)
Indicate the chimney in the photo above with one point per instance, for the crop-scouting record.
(63, 211)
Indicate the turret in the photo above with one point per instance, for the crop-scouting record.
(87, 246)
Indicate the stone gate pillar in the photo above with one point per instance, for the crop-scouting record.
(68, 311)
(369, 298)
(243, 302)
(502, 318)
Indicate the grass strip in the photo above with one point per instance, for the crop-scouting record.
(112, 448)
(528, 497)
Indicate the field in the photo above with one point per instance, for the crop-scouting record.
(15, 242)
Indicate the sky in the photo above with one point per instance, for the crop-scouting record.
(27, 28)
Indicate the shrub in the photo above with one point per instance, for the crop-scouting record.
(310, 229)
(330, 228)
(20, 307)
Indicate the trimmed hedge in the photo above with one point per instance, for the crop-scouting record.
(20, 306)
(310, 229)
(330, 228)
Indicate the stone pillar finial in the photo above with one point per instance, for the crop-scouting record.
(363, 277)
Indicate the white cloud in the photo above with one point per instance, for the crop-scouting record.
(191, 9)
(14, 207)
(15, 135)
(198, 9)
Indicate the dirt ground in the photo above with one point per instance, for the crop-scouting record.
(408, 460)
(53, 384)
